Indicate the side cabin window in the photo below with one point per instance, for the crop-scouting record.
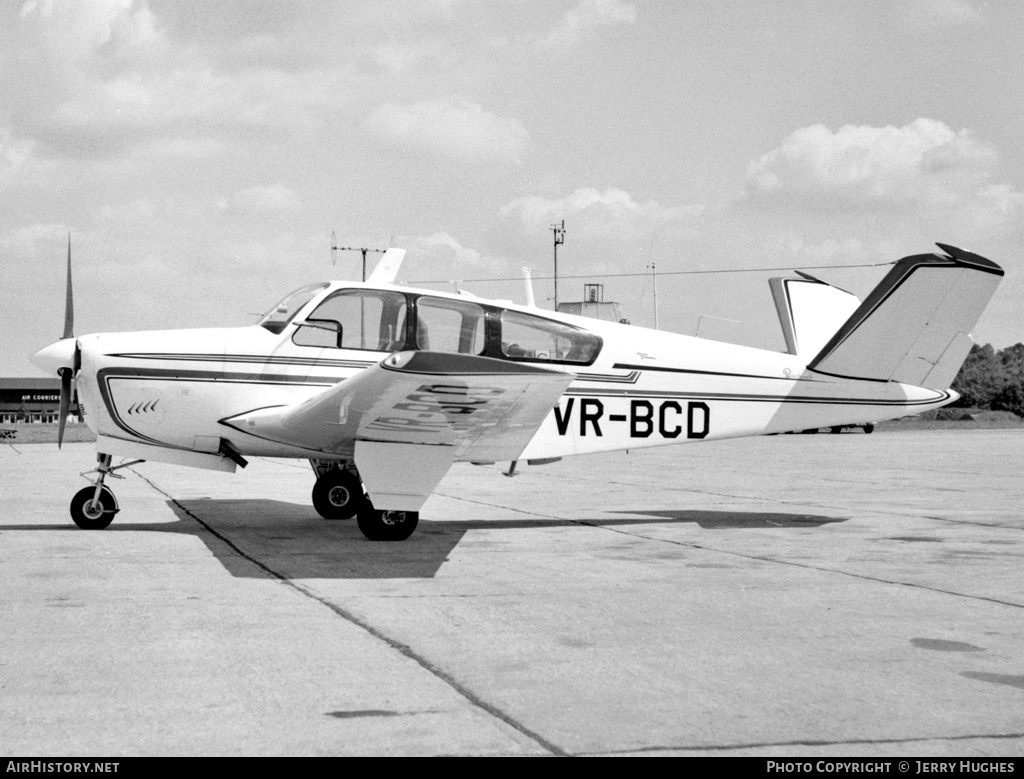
(356, 319)
(526, 337)
(450, 326)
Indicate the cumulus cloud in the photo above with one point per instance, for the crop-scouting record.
(454, 128)
(14, 152)
(261, 200)
(104, 78)
(587, 16)
(939, 13)
(24, 240)
(442, 245)
(612, 214)
(865, 167)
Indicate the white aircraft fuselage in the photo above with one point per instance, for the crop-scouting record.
(386, 386)
(645, 388)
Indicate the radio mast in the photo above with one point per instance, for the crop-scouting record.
(559, 233)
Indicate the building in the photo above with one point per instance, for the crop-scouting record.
(31, 400)
(594, 305)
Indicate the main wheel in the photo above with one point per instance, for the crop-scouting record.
(338, 494)
(93, 516)
(387, 525)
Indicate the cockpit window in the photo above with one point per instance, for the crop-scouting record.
(356, 319)
(283, 313)
(526, 337)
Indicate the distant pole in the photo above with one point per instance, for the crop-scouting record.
(654, 270)
(559, 233)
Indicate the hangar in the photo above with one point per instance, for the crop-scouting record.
(31, 400)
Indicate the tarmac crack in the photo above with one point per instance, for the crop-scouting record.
(805, 743)
(799, 504)
(763, 558)
(399, 646)
(805, 566)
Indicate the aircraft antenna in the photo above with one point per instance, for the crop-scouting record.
(530, 300)
(654, 273)
(559, 233)
(335, 248)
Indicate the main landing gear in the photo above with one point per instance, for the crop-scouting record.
(338, 494)
(387, 525)
(94, 507)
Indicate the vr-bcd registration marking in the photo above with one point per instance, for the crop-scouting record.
(436, 406)
(667, 418)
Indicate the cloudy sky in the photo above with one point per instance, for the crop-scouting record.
(200, 154)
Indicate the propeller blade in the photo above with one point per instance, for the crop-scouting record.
(74, 378)
(69, 303)
(65, 403)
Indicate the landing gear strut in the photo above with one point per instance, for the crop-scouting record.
(93, 508)
(338, 494)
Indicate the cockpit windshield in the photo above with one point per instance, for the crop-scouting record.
(283, 313)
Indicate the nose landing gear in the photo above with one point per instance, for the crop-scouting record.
(93, 508)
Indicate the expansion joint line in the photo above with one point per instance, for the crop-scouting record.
(823, 569)
(398, 646)
(807, 743)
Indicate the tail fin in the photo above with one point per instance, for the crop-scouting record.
(810, 311)
(387, 267)
(914, 326)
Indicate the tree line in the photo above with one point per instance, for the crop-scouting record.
(992, 380)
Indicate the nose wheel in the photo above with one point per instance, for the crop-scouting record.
(90, 512)
(94, 507)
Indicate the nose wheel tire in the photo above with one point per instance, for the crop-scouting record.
(387, 525)
(338, 494)
(93, 515)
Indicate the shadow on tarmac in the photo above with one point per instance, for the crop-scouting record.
(257, 538)
(734, 520)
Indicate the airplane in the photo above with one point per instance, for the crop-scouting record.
(382, 387)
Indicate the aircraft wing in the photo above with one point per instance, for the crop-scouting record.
(406, 419)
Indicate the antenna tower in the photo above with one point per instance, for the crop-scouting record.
(335, 248)
(559, 233)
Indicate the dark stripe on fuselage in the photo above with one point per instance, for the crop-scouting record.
(692, 371)
(105, 375)
(751, 398)
(251, 359)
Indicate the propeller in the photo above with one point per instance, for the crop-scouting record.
(64, 357)
(67, 374)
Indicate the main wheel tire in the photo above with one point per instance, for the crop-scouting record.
(90, 516)
(338, 494)
(869, 427)
(387, 525)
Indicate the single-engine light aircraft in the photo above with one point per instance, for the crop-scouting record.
(383, 387)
